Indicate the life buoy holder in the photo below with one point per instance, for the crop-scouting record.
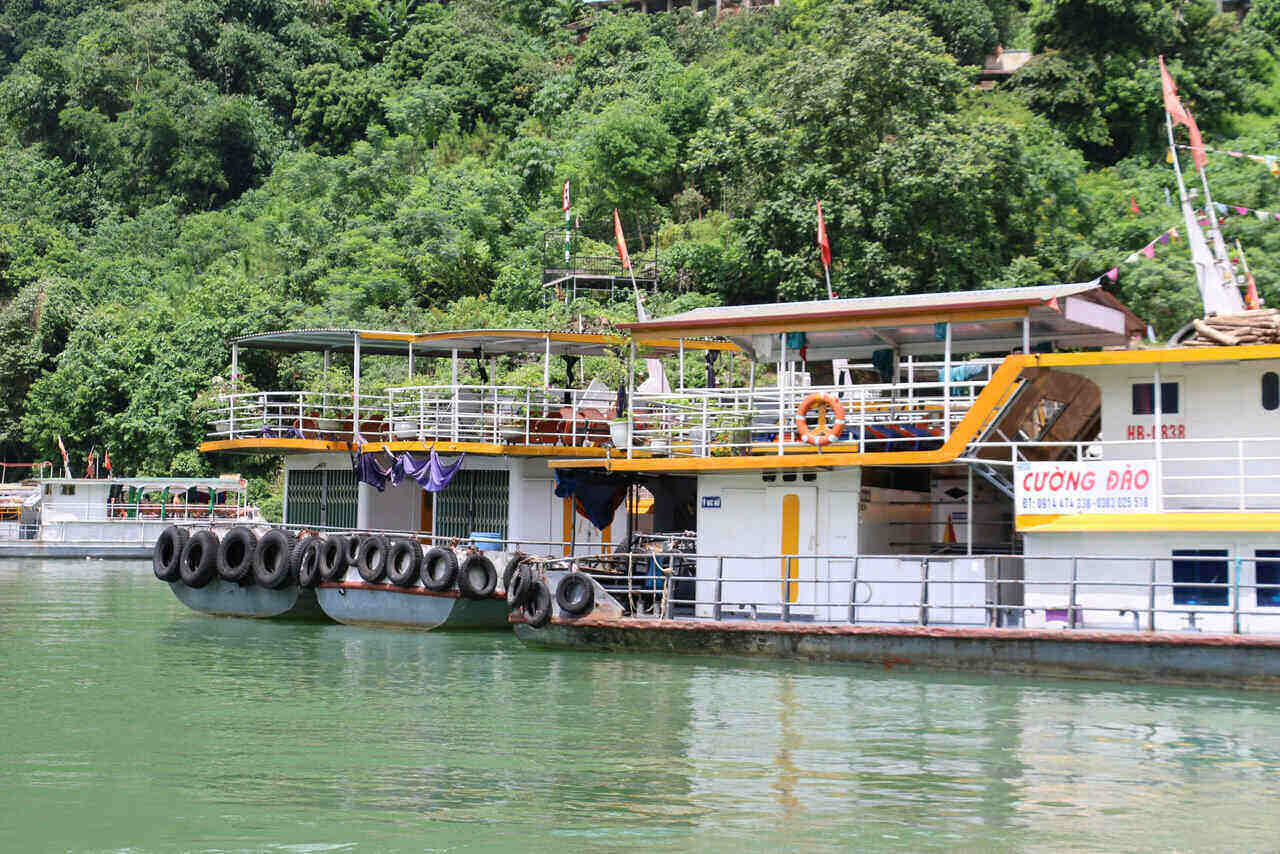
(824, 433)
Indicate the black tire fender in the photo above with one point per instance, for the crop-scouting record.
(235, 554)
(333, 557)
(439, 569)
(304, 561)
(537, 610)
(575, 594)
(477, 577)
(372, 560)
(166, 554)
(353, 549)
(509, 571)
(271, 564)
(521, 584)
(404, 561)
(199, 559)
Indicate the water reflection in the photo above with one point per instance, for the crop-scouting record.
(123, 710)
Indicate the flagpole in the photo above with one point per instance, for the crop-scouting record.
(827, 270)
(1173, 152)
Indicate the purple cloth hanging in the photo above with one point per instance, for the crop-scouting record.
(431, 473)
(368, 471)
(440, 475)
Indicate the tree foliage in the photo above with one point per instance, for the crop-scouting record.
(177, 172)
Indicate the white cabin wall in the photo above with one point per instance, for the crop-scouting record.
(396, 508)
(89, 503)
(739, 514)
(1048, 568)
(1217, 403)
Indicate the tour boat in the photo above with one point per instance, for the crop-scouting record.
(372, 465)
(48, 516)
(996, 479)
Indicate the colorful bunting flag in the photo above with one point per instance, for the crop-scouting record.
(1113, 273)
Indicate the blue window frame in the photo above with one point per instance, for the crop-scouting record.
(1200, 566)
(1267, 573)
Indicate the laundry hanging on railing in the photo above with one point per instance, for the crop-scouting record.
(432, 473)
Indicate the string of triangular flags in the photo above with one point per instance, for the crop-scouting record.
(1263, 216)
(1271, 161)
(1148, 251)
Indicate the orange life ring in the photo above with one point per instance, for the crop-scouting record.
(823, 434)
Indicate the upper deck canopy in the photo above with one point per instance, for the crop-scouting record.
(1070, 315)
(375, 342)
(486, 342)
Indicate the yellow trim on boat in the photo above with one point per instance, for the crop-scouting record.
(304, 446)
(988, 401)
(1141, 522)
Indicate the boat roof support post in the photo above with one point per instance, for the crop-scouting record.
(355, 386)
(946, 385)
(782, 366)
(631, 395)
(682, 366)
(1026, 334)
(546, 363)
(453, 384)
(410, 360)
(231, 410)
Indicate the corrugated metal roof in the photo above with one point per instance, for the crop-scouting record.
(1070, 315)
(372, 341)
(862, 307)
(465, 341)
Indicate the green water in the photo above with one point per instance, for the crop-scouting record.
(132, 724)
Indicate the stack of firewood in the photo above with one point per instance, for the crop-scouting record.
(1261, 326)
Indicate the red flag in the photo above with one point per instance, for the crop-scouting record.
(622, 241)
(565, 197)
(1133, 205)
(1181, 115)
(823, 243)
(106, 462)
(1251, 300)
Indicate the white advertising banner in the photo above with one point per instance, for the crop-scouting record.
(1122, 486)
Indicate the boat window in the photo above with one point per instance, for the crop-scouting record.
(68, 489)
(1199, 566)
(1144, 398)
(1268, 573)
(1270, 391)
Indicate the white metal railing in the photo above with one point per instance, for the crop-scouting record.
(145, 510)
(1230, 473)
(1076, 592)
(458, 413)
(914, 415)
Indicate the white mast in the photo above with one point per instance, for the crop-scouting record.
(1214, 274)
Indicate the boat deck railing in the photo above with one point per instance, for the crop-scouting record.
(1233, 594)
(456, 413)
(916, 414)
(1209, 474)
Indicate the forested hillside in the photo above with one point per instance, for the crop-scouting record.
(176, 172)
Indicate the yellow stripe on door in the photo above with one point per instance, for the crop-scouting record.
(791, 542)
